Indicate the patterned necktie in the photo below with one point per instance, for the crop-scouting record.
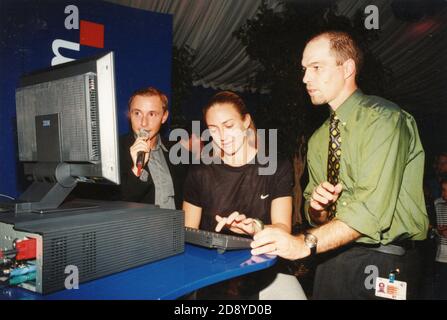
(333, 161)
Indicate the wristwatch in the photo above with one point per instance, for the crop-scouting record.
(311, 241)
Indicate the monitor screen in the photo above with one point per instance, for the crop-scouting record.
(67, 128)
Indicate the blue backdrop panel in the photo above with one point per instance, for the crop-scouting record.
(141, 40)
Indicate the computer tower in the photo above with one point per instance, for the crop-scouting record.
(101, 239)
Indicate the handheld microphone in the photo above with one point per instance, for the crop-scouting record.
(140, 155)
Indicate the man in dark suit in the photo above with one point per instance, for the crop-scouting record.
(158, 181)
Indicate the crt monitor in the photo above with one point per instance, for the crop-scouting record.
(67, 130)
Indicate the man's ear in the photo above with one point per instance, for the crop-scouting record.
(349, 68)
(165, 117)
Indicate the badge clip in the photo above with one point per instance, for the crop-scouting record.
(392, 275)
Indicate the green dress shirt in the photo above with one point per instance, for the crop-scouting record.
(381, 170)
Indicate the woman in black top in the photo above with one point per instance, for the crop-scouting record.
(232, 192)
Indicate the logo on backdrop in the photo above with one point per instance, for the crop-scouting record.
(90, 34)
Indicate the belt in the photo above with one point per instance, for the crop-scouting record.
(398, 248)
(390, 249)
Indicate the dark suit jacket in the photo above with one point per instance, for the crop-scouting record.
(132, 188)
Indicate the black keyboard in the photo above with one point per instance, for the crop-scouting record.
(215, 240)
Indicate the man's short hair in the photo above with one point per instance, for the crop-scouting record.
(149, 92)
(344, 47)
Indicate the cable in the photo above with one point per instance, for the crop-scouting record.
(23, 278)
(6, 196)
(5, 253)
(23, 270)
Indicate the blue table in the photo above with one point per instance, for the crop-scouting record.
(165, 279)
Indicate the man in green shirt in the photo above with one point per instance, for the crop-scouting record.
(364, 197)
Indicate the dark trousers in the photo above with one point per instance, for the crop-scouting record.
(440, 279)
(346, 274)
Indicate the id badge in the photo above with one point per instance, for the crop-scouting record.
(391, 289)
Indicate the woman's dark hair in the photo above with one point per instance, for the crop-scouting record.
(231, 98)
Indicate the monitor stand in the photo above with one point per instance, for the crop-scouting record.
(41, 197)
(52, 184)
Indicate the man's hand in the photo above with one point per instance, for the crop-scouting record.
(323, 195)
(140, 144)
(278, 242)
(237, 223)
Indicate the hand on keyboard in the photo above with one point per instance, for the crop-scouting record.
(237, 223)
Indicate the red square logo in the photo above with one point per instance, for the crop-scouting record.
(92, 34)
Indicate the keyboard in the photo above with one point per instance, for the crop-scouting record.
(215, 240)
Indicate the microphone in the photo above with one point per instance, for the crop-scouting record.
(140, 155)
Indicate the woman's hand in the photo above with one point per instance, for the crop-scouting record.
(237, 223)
